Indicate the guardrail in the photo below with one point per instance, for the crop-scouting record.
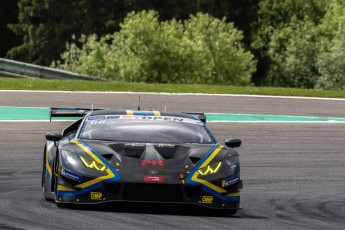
(16, 69)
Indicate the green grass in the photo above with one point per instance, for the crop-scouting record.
(42, 84)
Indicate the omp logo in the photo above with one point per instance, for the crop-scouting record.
(95, 196)
(207, 199)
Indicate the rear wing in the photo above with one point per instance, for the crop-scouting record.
(200, 116)
(81, 112)
(69, 112)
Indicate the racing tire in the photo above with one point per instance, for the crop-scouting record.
(45, 195)
(54, 184)
(231, 212)
(225, 212)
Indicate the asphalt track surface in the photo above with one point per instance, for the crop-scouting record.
(293, 173)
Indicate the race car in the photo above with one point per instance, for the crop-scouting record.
(140, 156)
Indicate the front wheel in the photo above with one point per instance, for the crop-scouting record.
(55, 175)
(226, 212)
(45, 184)
(46, 191)
(231, 212)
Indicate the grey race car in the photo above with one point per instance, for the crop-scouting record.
(141, 156)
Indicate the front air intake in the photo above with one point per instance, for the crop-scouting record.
(153, 192)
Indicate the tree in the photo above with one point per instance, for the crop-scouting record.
(47, 25)
(285, 42)
(331, 55)
(202, 49)
(8, 14)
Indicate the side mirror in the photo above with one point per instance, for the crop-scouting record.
(53, 136)
(233, 143)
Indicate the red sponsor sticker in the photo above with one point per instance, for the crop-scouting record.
(153, 178)
(152, 163)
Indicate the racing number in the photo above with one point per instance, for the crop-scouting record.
(97, 122)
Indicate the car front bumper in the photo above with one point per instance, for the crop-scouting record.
(152, 192)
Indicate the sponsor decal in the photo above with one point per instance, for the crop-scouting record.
(149, 118)
(110, 117)
(207, 200)
(153, 144)
(181, 176)
(153, 178)
(152, 163)
(72, 175)
(164, 145)
(229, 181)
(96, 196)
(135, 144)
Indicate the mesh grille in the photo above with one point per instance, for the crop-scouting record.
(153, 192)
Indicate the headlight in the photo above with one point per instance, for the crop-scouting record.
(210, 169)
(233, 165)
(220, 169)
(92, 164)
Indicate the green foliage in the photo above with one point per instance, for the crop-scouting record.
(297, 43)
(292, 51)
(46, 25)
(76, 85)
(202, 49)
(302, 43)
(331, 57)
(286, 40)
(8, 14)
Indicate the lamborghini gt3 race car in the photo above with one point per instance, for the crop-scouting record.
(141, 156)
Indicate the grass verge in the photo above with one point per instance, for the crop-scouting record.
(67, 85)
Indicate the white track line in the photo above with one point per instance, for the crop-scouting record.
(175, 94)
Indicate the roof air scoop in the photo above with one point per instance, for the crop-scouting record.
(150, 153)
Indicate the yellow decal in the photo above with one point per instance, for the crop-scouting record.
(109, 175)
(207, 200)
(64, 188)
(234, 194)
(95, 196)
(156, 113)
(129, 112)
(47, 162)
(204, 182)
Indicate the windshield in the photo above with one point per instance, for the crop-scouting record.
(149, 129)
